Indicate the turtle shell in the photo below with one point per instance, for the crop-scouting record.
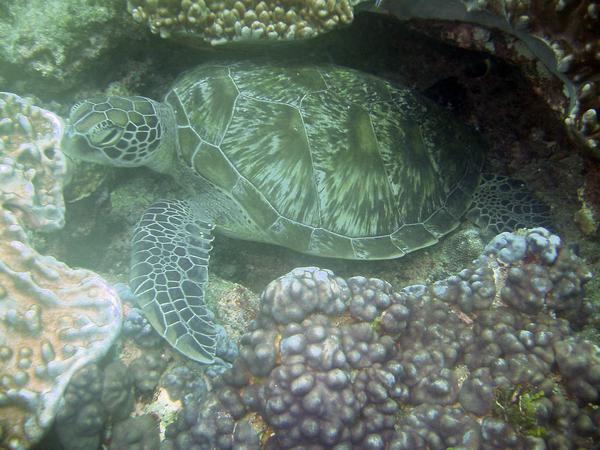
(327, 160)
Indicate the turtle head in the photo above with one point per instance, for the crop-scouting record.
(119, 131)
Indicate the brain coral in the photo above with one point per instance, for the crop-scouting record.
(479, 360)
(220, 21)
(53, 319)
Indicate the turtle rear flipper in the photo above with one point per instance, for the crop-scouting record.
(169, 268)
(506, 204)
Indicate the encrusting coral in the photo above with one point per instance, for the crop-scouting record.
(482, 359)
(220, 21)
(53, 319)
(563, 36)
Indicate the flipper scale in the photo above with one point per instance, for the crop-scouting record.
(169, 268)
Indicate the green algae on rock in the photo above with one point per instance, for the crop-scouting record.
(48, 45)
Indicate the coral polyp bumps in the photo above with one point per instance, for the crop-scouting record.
(218, 21)
(53, 319)
(474, 361)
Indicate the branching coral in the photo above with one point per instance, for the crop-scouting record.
(334, 363)
(563, 35)
(219, 21)
(53, 319)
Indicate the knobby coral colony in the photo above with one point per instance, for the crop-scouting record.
(563, 35)
(479, 360)
(53, 319)
(220, 21)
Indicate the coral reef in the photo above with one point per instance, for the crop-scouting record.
(225, 352)
(147, 370)
(136, 433)
(81, 418)
(51, 45)
(478, 360)
(586, 217)
(32, 169)
(137, 327)
(54, 319)
(135, 324)
(117, 392)
(222, 21)
(563, 36)
(235, 305)
(94, 397)
(183, 381)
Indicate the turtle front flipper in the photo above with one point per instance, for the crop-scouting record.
(169, 268)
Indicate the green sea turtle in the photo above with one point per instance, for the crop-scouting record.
(325, 160)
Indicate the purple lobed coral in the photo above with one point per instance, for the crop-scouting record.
(483, 359)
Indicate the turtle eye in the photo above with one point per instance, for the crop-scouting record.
(106, 134)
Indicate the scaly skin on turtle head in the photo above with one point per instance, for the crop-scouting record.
(119, 131)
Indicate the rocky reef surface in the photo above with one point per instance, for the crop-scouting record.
(554, 38)
(48, 45)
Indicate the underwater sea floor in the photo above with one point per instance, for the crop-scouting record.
(527, 141)
(526, 137)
